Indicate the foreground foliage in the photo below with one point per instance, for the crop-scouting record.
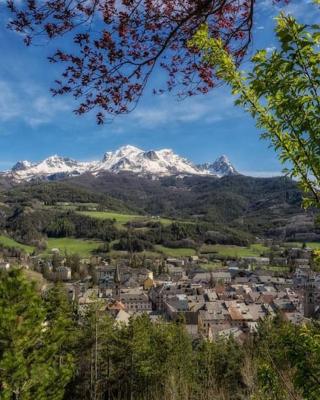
(281, 93)
(47, 351)
(36, 357)
(107, 68)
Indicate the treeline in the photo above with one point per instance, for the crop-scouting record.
(249, 206)
(51, 193)
(33, 225)
(50, 351)
(179, 235)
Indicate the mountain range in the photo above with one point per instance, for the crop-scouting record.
(154, 163)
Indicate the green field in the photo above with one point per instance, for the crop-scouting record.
(181, 252)
(70, 245)
(11, 243)
(311, 245)
(123, 218)
(255, 250)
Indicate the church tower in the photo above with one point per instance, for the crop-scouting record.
(310, 298)
(116, 291)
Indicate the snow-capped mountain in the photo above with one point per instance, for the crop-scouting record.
(159, 163)
(221, 167)
(54, 165)
(127, 158)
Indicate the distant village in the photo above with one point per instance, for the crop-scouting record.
(212, 303)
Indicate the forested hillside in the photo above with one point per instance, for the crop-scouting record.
(174, 212)
(269, 207)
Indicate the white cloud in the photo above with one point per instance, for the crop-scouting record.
(165, 110)
(29, 103)
(304, 10)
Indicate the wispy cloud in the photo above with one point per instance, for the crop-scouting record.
(301, 9)
(167, 110)
(29, 103)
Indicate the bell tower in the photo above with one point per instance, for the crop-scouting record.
(310, 298)
(116, 290)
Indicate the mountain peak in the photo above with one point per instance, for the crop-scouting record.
(223, 158)
(220, 167)
(127, 158)
(22, 166)
(128, 149)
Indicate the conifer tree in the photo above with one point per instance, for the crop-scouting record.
(35, 362)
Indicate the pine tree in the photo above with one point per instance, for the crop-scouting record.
(34, 361)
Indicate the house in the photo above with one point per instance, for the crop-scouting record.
(178, 262)
(239, 314)
(256, 261)
(214, 313)
(176, 272)
(194, 259)
(104, 274)
(234, 332)
(210, 295)
(265, 279)
(301, 277)
(215, 276)
(136, 302)
(4, 266)
(299, 253)
(280, 261)
(284, 304)
(184, 305)
(62, 273)
(148, 284)
(160, 294)
(301, 262)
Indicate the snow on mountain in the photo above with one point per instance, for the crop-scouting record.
(127, 158)
(22, 166)
(25, 170)
(221, 167)
(160, 163)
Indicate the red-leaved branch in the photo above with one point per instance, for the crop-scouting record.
(118, 43)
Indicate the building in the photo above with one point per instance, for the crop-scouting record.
(104, 274)
(4, 266)
(116, 289)
(216, 277)
(136, 302)
(62, 273)
(148, 284)
(311, 302)
(214, 313)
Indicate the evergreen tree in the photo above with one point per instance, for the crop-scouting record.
(35, 360)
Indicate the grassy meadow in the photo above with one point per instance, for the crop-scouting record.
(124, 218)
(254, 250)
(11, 243)
(180, 252)
(71, 245)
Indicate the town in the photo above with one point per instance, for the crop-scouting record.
(222, 302)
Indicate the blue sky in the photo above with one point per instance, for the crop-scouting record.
(33, 125)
